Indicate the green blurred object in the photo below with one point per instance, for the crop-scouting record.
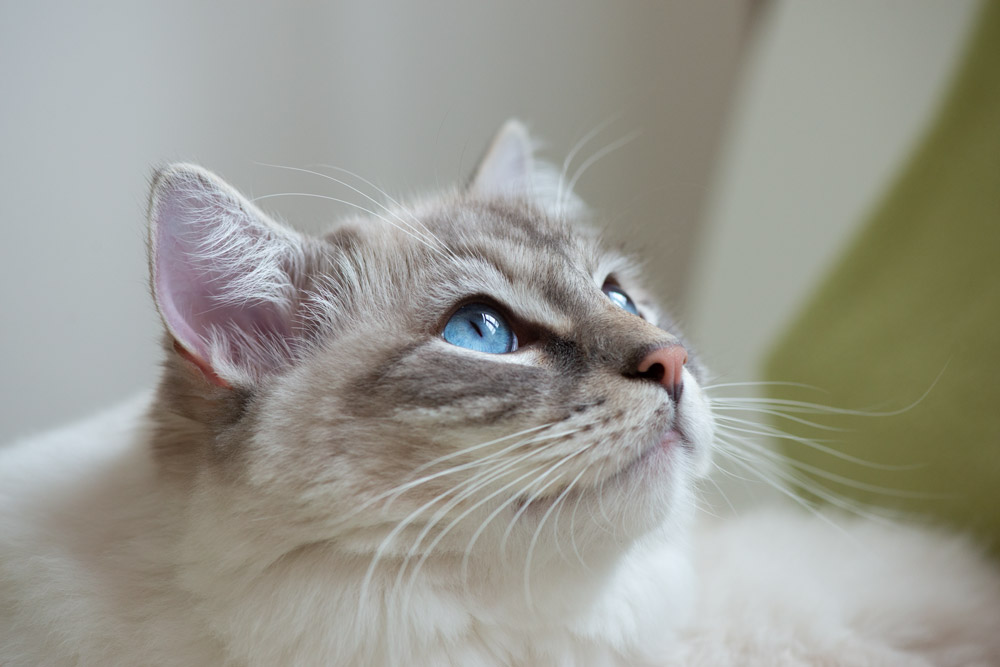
(916, 299)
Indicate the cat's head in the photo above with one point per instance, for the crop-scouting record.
(473, 375)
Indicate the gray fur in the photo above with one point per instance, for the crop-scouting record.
(369, 436)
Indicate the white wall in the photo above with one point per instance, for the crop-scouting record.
(92, 95)
(834, 98)
(832, 102)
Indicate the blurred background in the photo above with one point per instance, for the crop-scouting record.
(768, 132)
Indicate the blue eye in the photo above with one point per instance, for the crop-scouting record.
(481, 328)
(620, 298)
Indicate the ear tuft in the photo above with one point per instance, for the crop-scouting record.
(508, 163)
(509, 169)
(223, 275)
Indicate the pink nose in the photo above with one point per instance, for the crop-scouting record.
(665, 365)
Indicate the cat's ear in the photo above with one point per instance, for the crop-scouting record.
(508, 165)
(223, 275)
(509, 168)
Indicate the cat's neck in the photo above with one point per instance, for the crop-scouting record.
(275, 593)
(318, 601)
(188, 579)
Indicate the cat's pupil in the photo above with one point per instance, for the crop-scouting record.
(620, 298)
(480, 327)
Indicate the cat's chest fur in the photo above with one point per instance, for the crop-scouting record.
(98, 575)
(96, 570)
(456, 433)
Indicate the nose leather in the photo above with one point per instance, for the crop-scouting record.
(665, 365)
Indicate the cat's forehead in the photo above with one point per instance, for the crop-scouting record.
(506, 249)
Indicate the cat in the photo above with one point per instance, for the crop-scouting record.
(457, 432)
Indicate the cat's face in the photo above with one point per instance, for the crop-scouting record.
(472, 375)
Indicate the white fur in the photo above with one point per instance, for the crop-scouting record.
(142, 538)
(510, 168)
(93, 572)
(212, 222)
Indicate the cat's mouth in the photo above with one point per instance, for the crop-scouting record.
(664, 447)
(672, 439)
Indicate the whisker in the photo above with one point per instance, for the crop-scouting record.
(818, 407)
(385, 194)
(732, 475)
(796, 479)
(425, 233)
(826, 409)
(496, 512)
(478, 462)
(722, 494)
(521, 510)
(472, 489)
(600, 505)
(572, 532)
(357, 206)
(466, 450)
(397, 530)
(723, 407)
(812, 443)
(479, 481)
(396, 491)
(784, 491)
(440, 536)
(762, 383)
(583, 141)
(613, 146)
(538, 532)
(840, 479)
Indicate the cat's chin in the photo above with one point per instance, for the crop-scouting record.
(675, 445)
(667, 445)
(650, 491)
(681, 450)
(655, 486)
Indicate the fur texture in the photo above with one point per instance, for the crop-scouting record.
(321, 478)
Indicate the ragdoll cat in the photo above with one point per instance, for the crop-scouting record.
(454, 433)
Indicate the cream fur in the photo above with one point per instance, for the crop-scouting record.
(89, 570)
(321, 479)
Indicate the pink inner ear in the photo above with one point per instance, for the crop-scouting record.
(207, 247)
(205, 369)
(507, 164)
(179, 285)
